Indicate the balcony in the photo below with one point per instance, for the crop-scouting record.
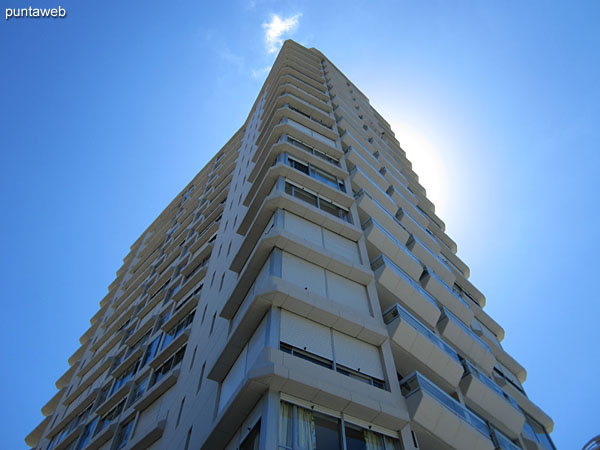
(282, 196)
(466, 341)
(288, 87)
(485, 397)
(418, 231)
(360, 180)
(430, 259)
(369, 207)
(157, 390)
(251, 259)
(439, 419)
(51, 405)
(483, 317)
(270, 291)
(379, 240)
(301, 84)
(406, 204)
(303, 107)
(501, 355)
(303, 172)
(296, 130)
(446, 296)
(535, 436)
(416, 348)
(66, 377)
(147, 437)
(444, 238)
(74, 409)
(296, 147)
(395, 286)
(525, 403)
(34, 437)
(399, 184)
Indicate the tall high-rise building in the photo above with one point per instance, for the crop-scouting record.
(300, 293)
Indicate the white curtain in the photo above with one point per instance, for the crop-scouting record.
(391, 444)
(373, 441)
(307, 436)
(285, 425)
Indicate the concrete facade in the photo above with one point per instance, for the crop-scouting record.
(300, 292)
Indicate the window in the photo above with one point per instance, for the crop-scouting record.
(86, 434)
(124, 377)
(252, 441)
(138, 390)
(123, 434)
(303, 354)
(150, 351)
(323, 362)
(103, 395)
(178, 328)
(316, 343)
(302, 167)
(317, 201)
(309, 149)
(167, 366)
(141, 341)
(302, 428)
(536, 432)
(312, 171)
(109, 417)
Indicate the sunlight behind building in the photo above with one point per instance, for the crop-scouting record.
(426, 162)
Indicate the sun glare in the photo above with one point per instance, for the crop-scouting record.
(426, 162)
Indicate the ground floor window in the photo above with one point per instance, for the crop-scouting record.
(301, 428)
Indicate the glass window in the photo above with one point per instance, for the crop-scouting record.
(299, 166)
(305, 196)
(327, 431)
(252, 441)
(329, 207)
(316, 431)
(123, 434)
(138, 390)
(150, 351)
(86, 434)
(103, 394)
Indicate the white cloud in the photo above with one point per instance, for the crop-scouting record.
(276, 28)
(261, 72)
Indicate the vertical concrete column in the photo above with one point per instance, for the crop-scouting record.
(270, 421)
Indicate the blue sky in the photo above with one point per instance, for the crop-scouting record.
(106, 115)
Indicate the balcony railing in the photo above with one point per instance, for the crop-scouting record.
(470, 369)
(308, 131)
(466, 329)
(312, 171)
(398, 311)
(415, 382)
(385, 211)
(382, 259)
(317, 201)
(390, 236)
(502, 442)
(307, 148)
(445, 286)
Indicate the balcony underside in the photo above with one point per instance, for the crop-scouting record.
(437, 428)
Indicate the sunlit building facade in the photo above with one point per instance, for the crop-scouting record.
(300, 293)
